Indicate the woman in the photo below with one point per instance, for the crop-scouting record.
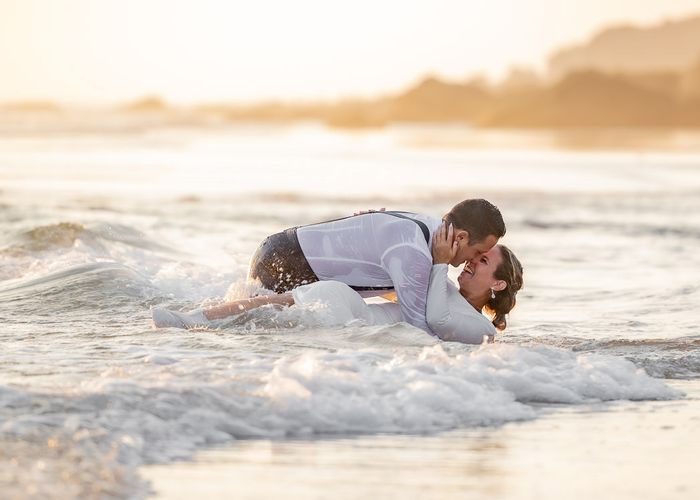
(491, 282)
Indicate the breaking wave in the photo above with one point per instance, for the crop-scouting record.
(122, 420)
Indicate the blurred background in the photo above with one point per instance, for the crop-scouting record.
(504, 64)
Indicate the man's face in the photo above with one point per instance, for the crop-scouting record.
(467, 252)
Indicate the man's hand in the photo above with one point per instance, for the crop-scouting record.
(444, 245)
(369, 211)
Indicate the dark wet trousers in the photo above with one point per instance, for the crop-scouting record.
(279, 263)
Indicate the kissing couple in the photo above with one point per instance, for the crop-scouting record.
(342, 261)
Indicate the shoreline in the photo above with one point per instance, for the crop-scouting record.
(621, 449)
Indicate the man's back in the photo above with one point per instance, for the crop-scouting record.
(357, 250)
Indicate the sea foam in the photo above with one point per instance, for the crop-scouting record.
(143, 417)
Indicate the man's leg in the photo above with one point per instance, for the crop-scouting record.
(279, 263)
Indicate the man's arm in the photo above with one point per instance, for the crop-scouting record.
(464, 323)
(409, 269)
(457, 324)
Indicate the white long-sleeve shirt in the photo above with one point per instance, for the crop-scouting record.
(375, 250)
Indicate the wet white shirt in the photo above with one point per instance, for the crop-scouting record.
(375, 250)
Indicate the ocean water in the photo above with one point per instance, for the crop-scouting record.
(97, 226)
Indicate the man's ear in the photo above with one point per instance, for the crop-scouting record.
(461, 234)
(499, 285)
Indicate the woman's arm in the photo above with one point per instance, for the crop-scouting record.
(163, 317)
(242, 305)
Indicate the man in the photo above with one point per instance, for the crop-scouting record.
(376, 251)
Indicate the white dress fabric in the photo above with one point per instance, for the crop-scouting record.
(449, 315)
(375, 250)
(342, 304)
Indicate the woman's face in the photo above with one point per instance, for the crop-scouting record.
(477, 277)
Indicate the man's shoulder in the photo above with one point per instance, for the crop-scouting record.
(420, 225)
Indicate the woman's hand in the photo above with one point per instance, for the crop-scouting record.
(444, 244)
(370, 211)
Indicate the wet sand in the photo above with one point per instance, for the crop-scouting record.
(635, 450)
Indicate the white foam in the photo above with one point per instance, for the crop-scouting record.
(366, 391)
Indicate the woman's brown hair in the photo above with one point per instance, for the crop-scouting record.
(511, 271)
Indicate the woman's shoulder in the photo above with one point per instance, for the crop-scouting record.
(459, 306)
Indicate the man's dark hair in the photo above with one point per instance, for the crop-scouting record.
(478, 217)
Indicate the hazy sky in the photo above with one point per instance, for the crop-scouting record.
(89, 51)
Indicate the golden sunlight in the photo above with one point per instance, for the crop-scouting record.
(97, 51)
